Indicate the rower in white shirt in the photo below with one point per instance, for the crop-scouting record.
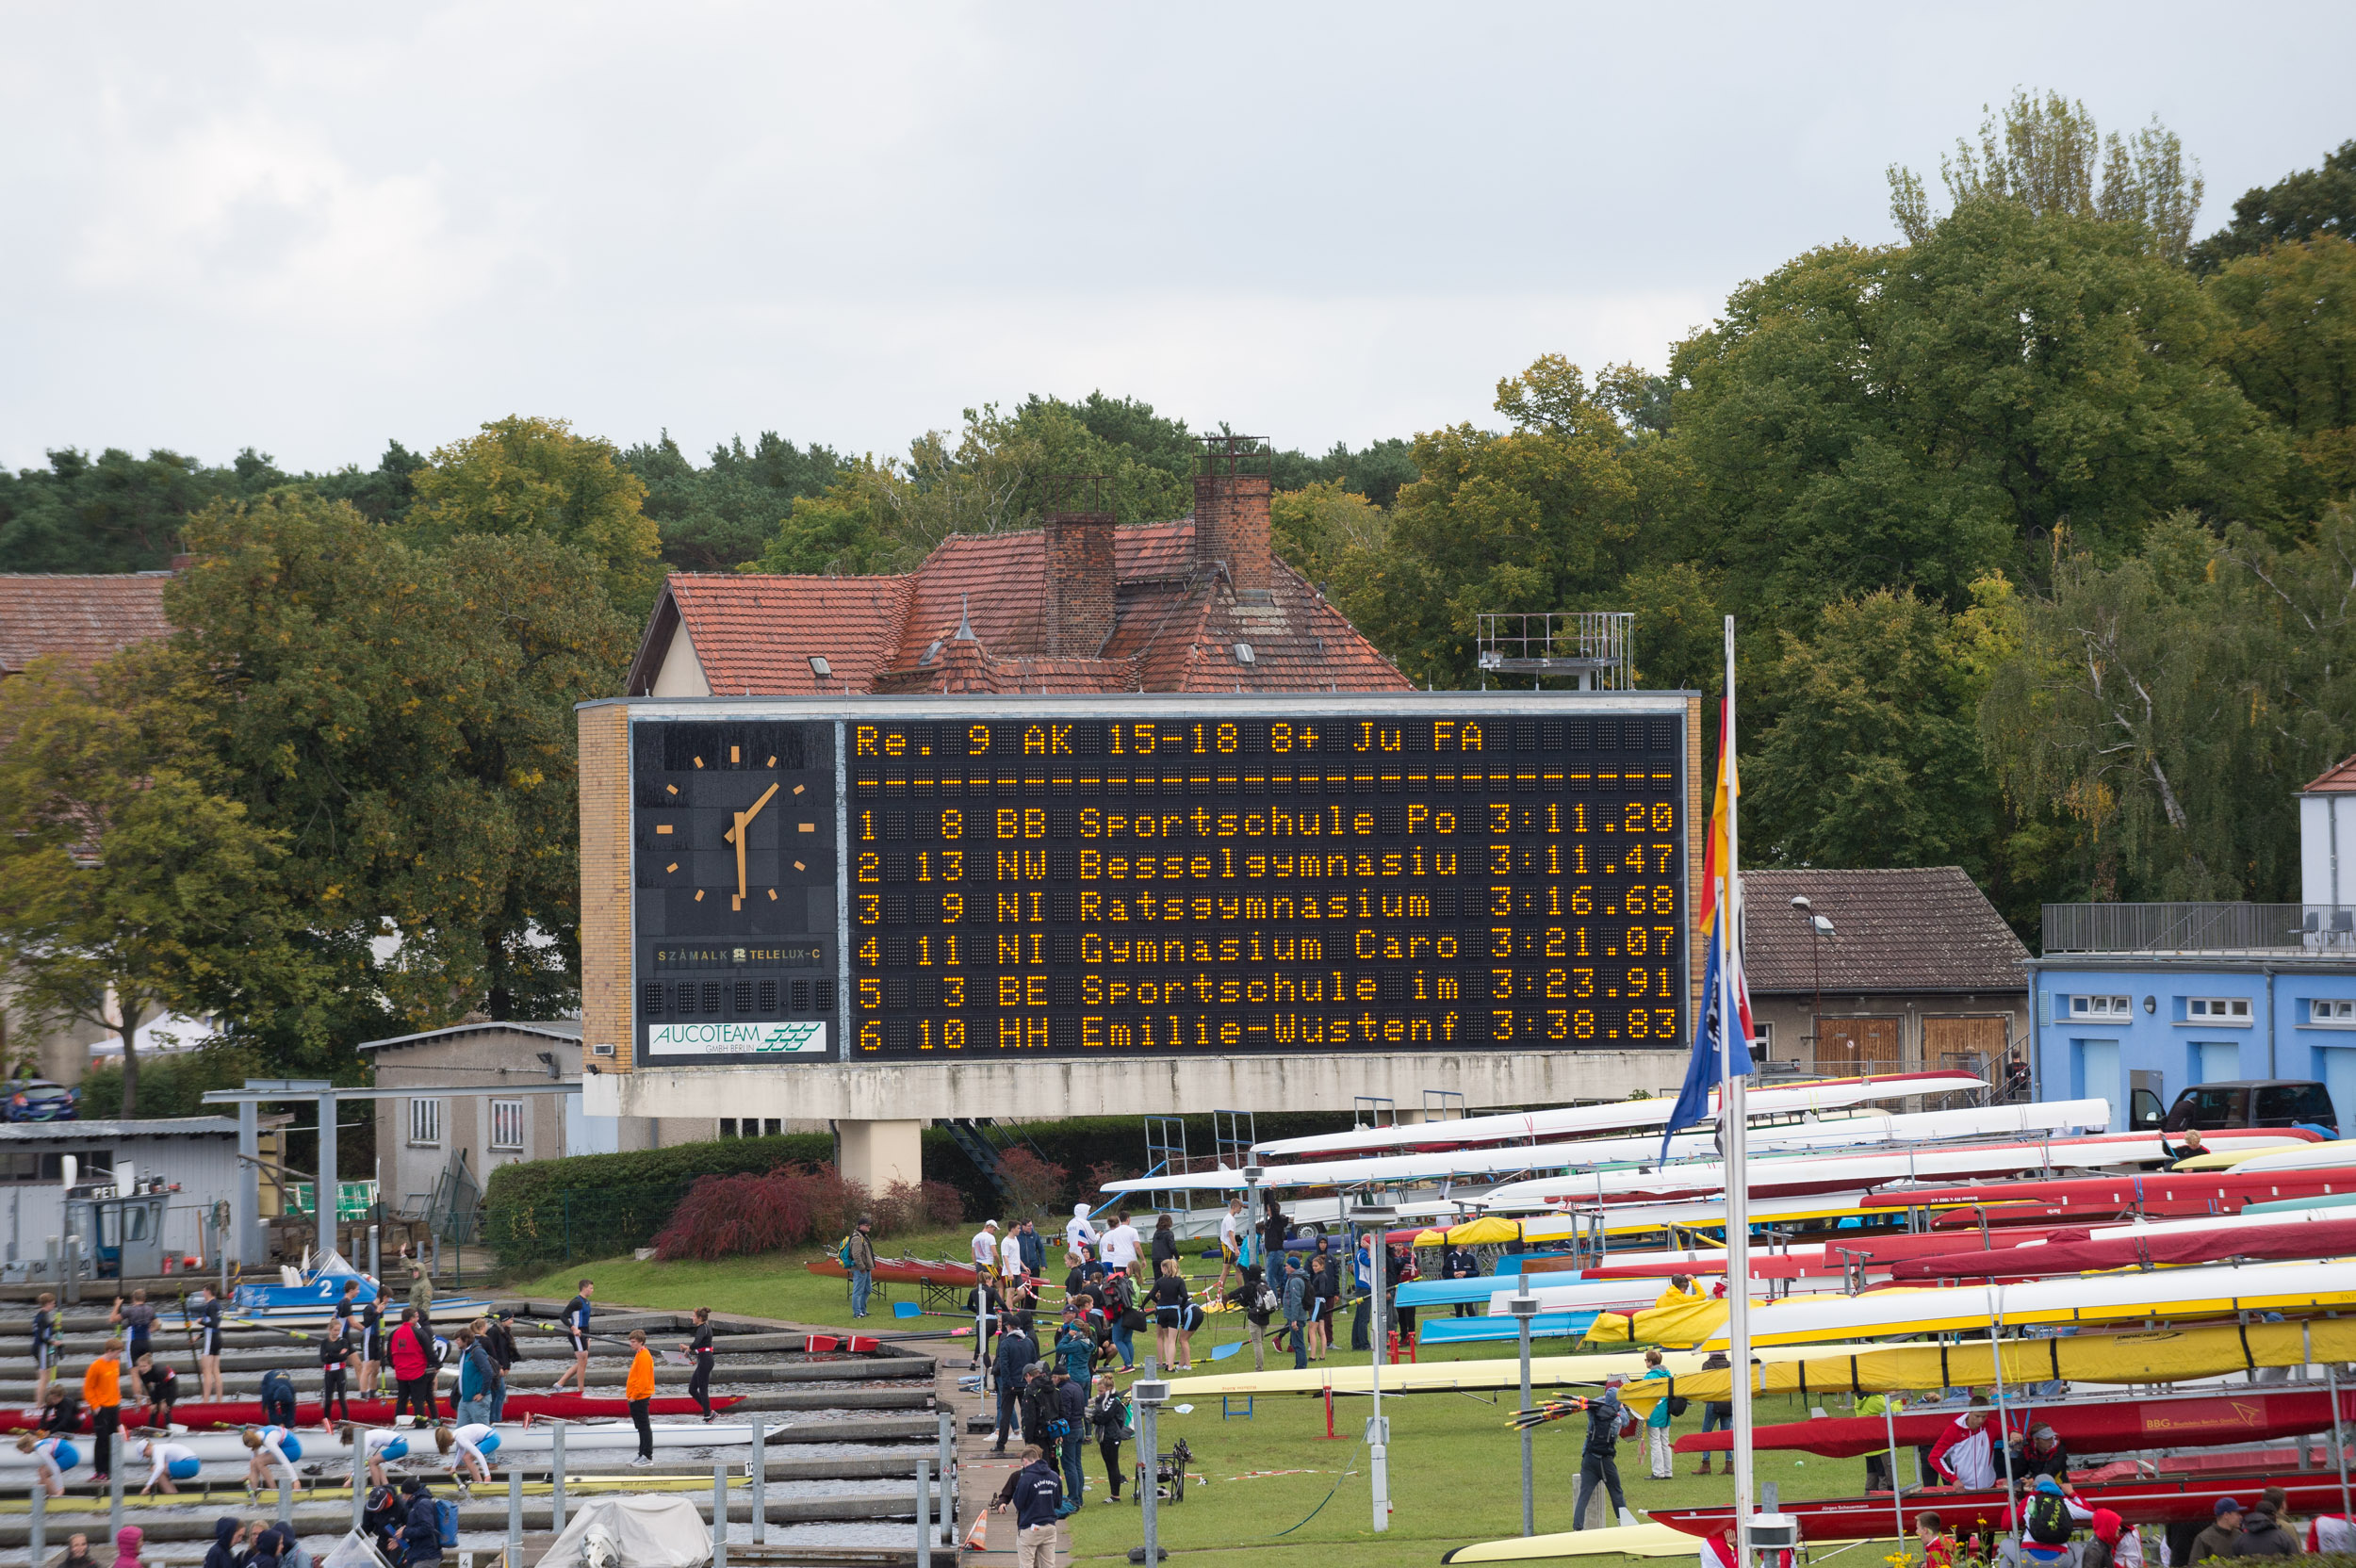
(986, 1249)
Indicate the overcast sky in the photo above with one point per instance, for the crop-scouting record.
(308, 229)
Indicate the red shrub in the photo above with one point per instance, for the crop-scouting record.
(1035, 1182)
(725, 1216)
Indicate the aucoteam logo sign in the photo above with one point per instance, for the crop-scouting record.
(801, 1038)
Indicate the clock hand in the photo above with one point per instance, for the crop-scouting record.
(748, 814)
(739, 834)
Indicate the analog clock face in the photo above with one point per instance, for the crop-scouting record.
(734, 836)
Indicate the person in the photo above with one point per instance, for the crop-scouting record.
(1403, 1272)
(1079, 1234)
(2263, 1535)
(2047, 1522)
(699, 1350)
(228, 1535)
(1075, 1347)
(577, 1332)
(371, 1345)
(1657, 1424)
(166, 1463)
(1040, 1412)
(1299, 1305)
(1069, 1429)
(102, 1390)
(478, 1374)
(1882, 1465)
(76, 1553)
(1122, 1317)
(379, 1445)
(420, 1288)
(1170, 1311)
(1034, 1249)
(1258, 1303)
(268, 1446)
(1275, 1229)
(138, 1327)
(2192, 1148)
(499, 1340)
(205, 1317)
(163, 1390)
(862, 1266)
(278, 1398)
(53, 1456)
(1363, 1269)
(1325, 1294)
(1233, 1229)
(290, 1548)
(1108, 1420)
(2103, 1551)
(421, 1534)
(1164, 1247)
(2017, 1079)
(44, 1342)
(1035, 1495)
(2326, 1532)
(1964, 1456)
(1460, 1264)
(1119, 1246)
(1011, 1270)
(469, 1447)
(335, 1358)
(1939, 1547)
(1680, 1291)
(411, 1359)
(2223, 1539)
(128, 1540)
(61, 1410)
(1016, 1351)
(985, 1246)
(638, 1388)
(2043, 1455)
(1599, 1457)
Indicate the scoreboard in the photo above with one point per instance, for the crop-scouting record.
(901, 881)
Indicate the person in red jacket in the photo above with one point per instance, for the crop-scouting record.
(411, 1352)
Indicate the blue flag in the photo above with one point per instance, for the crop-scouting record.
(1701, 1073)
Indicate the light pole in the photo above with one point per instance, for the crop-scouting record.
(1252, 1174)
(1381, 1215)
(1149, 1394)
(1525, 1308)
(1820, 931)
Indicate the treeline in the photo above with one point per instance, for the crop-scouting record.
(2035, 524)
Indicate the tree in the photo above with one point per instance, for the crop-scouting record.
(2298, 206)
(2043, 154)
(383, 494)
(2290, 346)
(719, 517)
(404, 719)
(1872, 759)
(526, 476)
(1321, 527)
(114, 512)
(129, 885)
(1917, 417)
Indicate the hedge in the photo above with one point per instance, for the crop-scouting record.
(542, 1211)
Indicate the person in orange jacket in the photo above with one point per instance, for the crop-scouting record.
(102, 1390)
(639, 1391)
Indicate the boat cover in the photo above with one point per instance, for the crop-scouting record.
(632, 1532)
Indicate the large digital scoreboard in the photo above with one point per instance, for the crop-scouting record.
(1410, 875)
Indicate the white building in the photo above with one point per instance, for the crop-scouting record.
(195, 1155)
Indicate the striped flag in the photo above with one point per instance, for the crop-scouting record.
(1722, 990)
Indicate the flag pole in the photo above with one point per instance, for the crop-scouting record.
(1736, 1123)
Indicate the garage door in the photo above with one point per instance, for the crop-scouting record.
(1857, 1046)
(1975, 1045)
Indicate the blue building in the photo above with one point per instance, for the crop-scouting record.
(2137, 1000)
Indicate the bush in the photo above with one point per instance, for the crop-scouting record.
(170, 1083)
(597, 1206)
(1033, 1183)
(917, 1206)
(729, 1217)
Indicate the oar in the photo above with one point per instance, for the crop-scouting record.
(671, 1356)
(1553, 1410)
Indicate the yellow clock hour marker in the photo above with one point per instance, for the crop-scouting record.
(772, 895)
(663, 827)
(772, 762)
(673, 787)
(733, 756)
(809, 827)
(797, 788)
(699, 761)
(798, 866)
(673, 866)
(700, 895)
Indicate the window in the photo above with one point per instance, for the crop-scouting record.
(2325, 1011)
(507, 1125)
(2217, 1010)
(2120, 1007)
(2288, 1104)
(89, 1165)
(425, 1121)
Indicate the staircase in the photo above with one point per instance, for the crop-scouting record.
(982, 1141)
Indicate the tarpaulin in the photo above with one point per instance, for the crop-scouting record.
(2205, 1422)
(2074, 1252)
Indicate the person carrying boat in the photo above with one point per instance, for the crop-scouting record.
(205, 1317)
(53, 1456)
(166, 1463)
(163, 1390)
(379, 1447)
(271, 1445)
(1599, 1456)
(576, 1333)
(411, 1358)
(468, 1447)
(698, 1348)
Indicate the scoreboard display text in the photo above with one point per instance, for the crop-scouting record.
(1070, 886)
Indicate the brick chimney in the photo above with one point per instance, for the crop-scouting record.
(1079, 526)
(1231, 510)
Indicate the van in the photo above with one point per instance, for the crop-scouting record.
(2248, 1102)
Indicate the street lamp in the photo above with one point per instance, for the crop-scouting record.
(1524, 1308)
(1382, 1216)
(1820, 931)
(1150, 1393)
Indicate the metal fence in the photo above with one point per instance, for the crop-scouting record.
(2199, 927)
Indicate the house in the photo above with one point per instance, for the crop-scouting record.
(196, 1157)
(1078, 605)
(2136, 1002)
(81, 620)
(419, 1138)
(1915, 970)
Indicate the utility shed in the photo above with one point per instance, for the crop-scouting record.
(196, 1155)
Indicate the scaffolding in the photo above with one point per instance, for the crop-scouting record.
(1590, 646)
(1233, 1134)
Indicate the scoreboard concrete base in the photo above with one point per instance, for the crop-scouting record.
(878, 1108)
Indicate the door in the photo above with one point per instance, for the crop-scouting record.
(2339, 1076)
(2216, 1061)
(589, 1134)
(2099, 1077)
(1975, 1045)
(2147, 1097)
(1857, 1047)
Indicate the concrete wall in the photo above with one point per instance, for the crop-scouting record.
(2327, 849)
(1791, 1018)
(2100, 1056)
(203, 1168)
(1053, 1089)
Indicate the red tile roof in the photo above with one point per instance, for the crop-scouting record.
(2338, 780)
(1174, 630)
(83, 619)
(1923, 928)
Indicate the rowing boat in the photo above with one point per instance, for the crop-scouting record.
(2119, 1426)
(903, 1271)
(248, 1412)
(2075, 1251)
(2165, 1501)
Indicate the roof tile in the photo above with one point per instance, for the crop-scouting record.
(1923, 928)
(82, 619)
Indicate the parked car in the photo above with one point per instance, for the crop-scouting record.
(39, 1099)
(2254, 1103)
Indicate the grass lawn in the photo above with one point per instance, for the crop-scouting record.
(1455, 1465)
